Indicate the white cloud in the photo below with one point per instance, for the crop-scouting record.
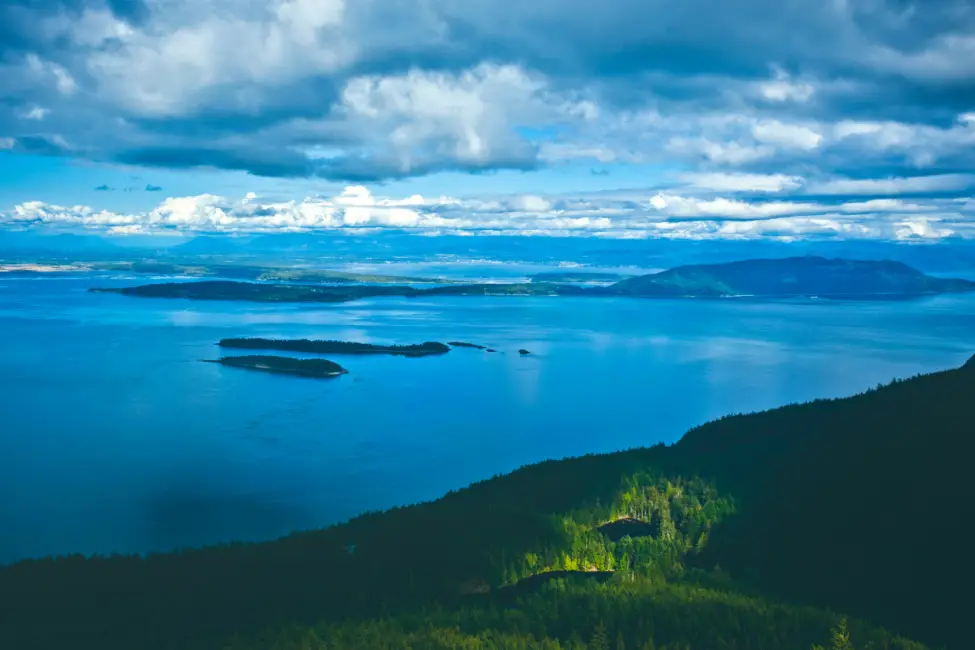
(53, 73)
(465, 118)
(624, 214)
(889, 186)
(529, 203)
(737, 182)
(672, 205)
(7, 144)
(921, 229)
(790, 136)
(185, 57)
(36, 113)
(724, 153)
(781, 88)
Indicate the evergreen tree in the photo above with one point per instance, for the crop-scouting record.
(599, 640)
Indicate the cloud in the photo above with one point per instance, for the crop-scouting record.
(781, 88)
(787, 135)
(430, 121)
(738, 182)
(36, 113)
(609, 215)
(810, 104)
(937, 183)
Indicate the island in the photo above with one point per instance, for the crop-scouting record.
(761, 278)
(462, 344)
(334, 347)
(314, 368)
(808, 276)
(523, 352)
(258, 292)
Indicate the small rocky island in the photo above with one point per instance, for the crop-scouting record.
(335, 347)
(462, 344)
(313, 368)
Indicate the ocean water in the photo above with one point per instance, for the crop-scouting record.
(115, 437)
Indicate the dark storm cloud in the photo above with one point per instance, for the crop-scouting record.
(403, 87)
(271, 163)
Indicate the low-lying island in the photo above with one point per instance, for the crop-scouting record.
(313, 368)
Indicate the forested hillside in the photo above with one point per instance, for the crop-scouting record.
(753, 532)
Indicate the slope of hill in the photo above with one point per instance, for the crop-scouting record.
(860, 503)
(847, 504)
(794, 276)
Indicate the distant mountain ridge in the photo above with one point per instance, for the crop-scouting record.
(792, 276)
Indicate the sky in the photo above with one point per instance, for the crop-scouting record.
(680, 119)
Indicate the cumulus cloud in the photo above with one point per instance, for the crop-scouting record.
(623, 215)
(371, 90)
(428, 121)
(781, 88)
(787, 135)
(738, 182)
(819, 106)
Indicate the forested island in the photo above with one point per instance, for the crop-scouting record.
(770, 278)
(334, 347)
(314, 368)
(759, 532)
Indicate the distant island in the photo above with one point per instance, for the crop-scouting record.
(314, 368)
(33, 269)
(266, 292)
(765, 278)
(334, 347)
(791, 277)
(462, 344)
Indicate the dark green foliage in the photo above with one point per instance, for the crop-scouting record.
(314, 368)
(836, 503)
(335, 347)
(844, 501)
(588, 617)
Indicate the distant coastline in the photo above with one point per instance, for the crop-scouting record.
(796, 277)
(334, 347)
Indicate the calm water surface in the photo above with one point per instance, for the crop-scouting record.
(115, 437)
